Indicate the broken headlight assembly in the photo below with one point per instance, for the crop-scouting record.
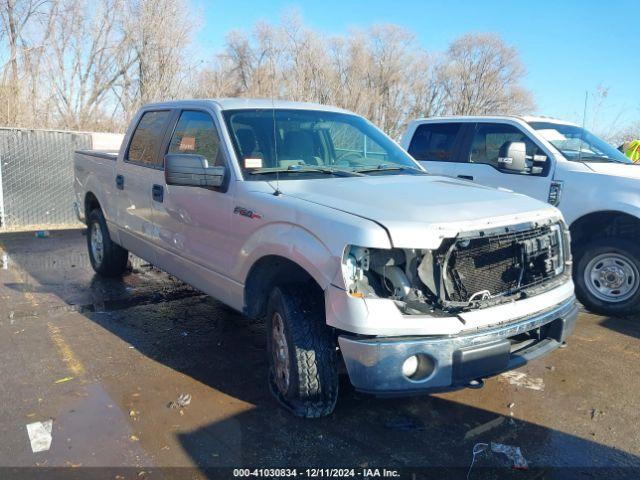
(392, 274)
(473, 270)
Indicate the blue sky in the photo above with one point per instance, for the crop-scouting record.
(568, 46)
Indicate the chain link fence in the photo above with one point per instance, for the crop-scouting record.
(36, 176)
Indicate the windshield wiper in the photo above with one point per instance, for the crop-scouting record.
(387, 168)
(304, 169)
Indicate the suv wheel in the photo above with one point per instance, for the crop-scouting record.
(303, 372)
(607, 276)
(107, 258)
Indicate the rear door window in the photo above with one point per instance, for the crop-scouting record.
(196, 134)
(146, 139)
(435, 142)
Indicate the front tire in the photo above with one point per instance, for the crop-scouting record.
(107, 258)
(303, 372)
(607, 276)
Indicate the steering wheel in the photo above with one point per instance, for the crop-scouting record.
(345, 157)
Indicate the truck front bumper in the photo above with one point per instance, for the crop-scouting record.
(375, 365)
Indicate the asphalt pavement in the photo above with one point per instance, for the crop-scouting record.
(108, 359)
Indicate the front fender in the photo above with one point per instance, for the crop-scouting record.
(611, 206)
(585, 193)
(294, 243)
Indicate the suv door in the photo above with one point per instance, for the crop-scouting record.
(436, 147)
(479, 160)
(193, 223)
(133, 183)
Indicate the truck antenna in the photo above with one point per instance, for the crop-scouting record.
(273, 116)
(584, 122)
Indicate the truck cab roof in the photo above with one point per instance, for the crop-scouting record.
(490, 118)
(245, 103)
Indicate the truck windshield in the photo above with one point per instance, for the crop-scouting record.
(578, 144)
(296, 144)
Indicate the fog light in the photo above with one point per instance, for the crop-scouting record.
(418, 367)
(410, 366)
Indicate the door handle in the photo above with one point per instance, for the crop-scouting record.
(466, 177)
(157, 192)
(119, 182)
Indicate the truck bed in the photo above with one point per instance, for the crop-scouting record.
(95, 171)
(106, 154)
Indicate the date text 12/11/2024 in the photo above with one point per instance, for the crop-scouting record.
(316, 472)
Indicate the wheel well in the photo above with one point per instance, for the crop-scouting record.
(603, 225)
(90, 203)
(267, 273)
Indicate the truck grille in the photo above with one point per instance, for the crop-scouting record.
(495, 265)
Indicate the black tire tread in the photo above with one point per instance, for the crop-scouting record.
(313, 388)
(115, 258)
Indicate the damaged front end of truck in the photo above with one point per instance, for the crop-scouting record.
(470, 271)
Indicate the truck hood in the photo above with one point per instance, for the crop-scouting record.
(419, 211)
(615, 169)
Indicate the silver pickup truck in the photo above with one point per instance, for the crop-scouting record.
(310, 218)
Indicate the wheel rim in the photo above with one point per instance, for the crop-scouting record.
(612, 277)
(97, 245)
(280, 353)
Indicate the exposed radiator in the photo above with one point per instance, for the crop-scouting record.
(504, 263)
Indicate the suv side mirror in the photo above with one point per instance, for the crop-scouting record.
(192, 171)
(513, 157)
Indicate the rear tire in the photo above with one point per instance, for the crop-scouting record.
(107, 258)
(607, 276)
(303, 372)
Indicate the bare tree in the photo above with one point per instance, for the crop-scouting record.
(93, 63)
(482, 75)
(392, 56)
(307, 73)
(25, 27)
(15, 16)
(85, 62)
(216, 80)
(383, 74)
(380, 72)
(159, 32)
(349, 59)
(429, 98)
(623, 135)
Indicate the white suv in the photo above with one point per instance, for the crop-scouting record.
(595, 186)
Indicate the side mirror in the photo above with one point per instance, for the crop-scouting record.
(513, 157)
(192, 171)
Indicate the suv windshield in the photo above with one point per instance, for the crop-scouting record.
(312, 144)
(578, 144)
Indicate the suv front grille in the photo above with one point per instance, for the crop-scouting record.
(494, 265)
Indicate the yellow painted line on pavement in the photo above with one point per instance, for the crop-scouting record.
(30, 298)
(66, 353)
(68, 357)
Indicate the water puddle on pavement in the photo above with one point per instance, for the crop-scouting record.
(92, 430)
(147, 298)
(143, 298)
